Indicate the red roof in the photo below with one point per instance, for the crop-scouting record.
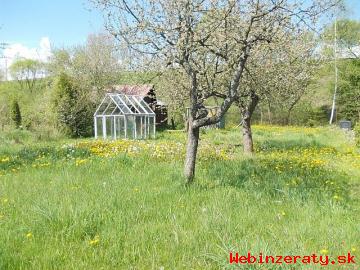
(140, 90)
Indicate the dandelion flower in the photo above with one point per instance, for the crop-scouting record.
(29, 235)
(95, 241)
(80, 161)
(324, 251)
(353, 249)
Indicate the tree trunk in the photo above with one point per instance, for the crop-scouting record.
(246, 113)
(191, 151)
(292, 105)
(287, 118)
(247, 136)
(173, 123)
(269, 113)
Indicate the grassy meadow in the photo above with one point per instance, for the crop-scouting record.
(86, 204)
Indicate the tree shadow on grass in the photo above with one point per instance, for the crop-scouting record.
(281, 179)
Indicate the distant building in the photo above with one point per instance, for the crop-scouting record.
(147, 92)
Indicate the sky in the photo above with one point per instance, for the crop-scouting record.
(34, 27)
(353, 9)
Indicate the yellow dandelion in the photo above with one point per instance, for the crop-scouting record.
(353, 249)
(80, 161)
(95, 241)
(5, 200)
(29, 235)
(324, 251)
(136, 190)
(336, 197)
(283, 213)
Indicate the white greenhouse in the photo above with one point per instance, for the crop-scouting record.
(124, 116)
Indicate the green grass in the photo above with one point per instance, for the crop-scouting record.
(298, 195)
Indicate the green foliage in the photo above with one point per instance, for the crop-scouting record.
(95, 65)
(72, 108)
(318, 116)
(349, 90)
(348, 33)
(347, 36)
(25, 71)
(357, 134)
(15, 113)
(39, 114)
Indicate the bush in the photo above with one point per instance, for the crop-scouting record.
(15, 114)
(349, 91)
(73, 109)
(357, 134)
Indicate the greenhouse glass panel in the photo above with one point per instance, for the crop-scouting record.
(145, 106)
(124, 116)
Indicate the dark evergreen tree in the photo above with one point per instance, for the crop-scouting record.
(15, 114)
(73, 110)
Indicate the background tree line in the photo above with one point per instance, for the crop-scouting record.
(95, 68)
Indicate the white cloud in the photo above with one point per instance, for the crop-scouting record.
(18, 50)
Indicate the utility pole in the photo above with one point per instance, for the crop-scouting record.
(3, 46)
(336, 74)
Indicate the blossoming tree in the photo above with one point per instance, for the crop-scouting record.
(210, 40)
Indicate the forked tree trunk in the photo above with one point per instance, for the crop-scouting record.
(191, 151)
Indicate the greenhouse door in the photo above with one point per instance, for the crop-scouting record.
(119, 127)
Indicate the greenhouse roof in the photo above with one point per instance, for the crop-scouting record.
(120, 104)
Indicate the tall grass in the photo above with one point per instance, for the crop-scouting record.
(84, 211)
